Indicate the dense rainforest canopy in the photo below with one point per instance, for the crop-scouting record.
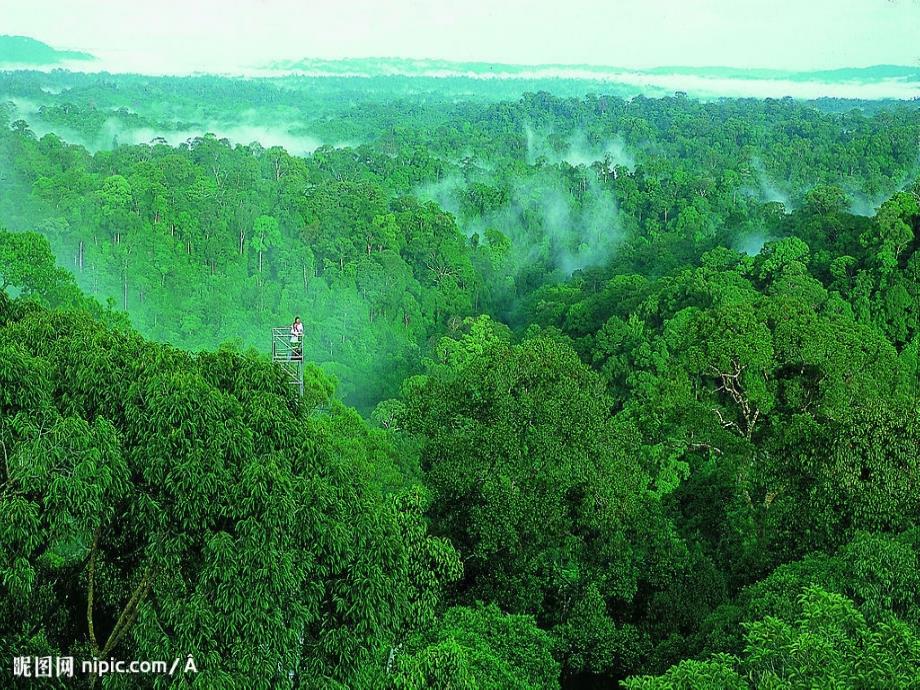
(599, 392)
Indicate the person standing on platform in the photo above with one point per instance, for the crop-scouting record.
(297, 339)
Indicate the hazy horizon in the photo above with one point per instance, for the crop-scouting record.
(212, 36)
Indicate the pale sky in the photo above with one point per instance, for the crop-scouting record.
(225, 35)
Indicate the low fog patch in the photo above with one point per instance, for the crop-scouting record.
(767, 190)
(751, 243)
(115, 132)
(576, 149)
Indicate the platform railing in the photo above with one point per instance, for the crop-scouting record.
(287, 353)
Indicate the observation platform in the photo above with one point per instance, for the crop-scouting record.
(287, 353)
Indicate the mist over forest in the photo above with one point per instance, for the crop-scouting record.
(608, 377)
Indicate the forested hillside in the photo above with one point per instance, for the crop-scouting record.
(23, 50)
(600, 392)
(214, 240)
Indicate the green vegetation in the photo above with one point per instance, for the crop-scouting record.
(600, 392)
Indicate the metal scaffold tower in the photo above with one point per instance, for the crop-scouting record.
(287, 353)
